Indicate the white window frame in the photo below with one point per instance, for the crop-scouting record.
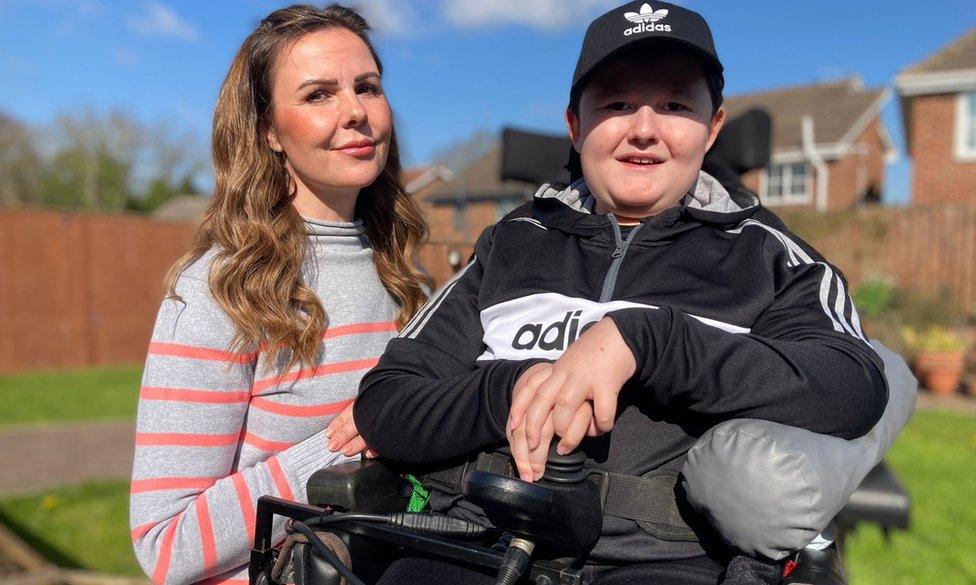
(965, 123)
(804, 198)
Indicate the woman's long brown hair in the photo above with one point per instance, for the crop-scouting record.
(259, 237)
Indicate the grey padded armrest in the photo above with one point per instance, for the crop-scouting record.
(769, 488)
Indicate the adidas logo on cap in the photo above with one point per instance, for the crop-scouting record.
(646, 20)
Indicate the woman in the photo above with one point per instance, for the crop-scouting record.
(300, 274)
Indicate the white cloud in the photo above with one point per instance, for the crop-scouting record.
(159, 20)
(542, 14)
(389, 17)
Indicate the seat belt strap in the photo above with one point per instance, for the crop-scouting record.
(449, 480)
(651, 500)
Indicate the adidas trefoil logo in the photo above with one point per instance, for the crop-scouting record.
(646, 20)
(646, 14)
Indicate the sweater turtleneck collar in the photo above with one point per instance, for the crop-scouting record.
(335, 232)
(321, 227)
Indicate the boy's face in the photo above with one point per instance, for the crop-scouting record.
(643, 128)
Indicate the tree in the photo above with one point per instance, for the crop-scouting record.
(107, 162)
(93, 168)
(20, 164)
(174, 160)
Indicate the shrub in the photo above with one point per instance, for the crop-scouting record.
(874, 297)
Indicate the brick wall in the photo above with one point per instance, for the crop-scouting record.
(441, 219)
(858, 172)
(937, 177)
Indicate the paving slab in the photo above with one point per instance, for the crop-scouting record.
(38, 457)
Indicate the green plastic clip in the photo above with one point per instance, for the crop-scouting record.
(419, 496)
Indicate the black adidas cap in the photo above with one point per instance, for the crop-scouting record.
(639, 21)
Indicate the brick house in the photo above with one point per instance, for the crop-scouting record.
(838, 161)
(459, 207)
(938, 104)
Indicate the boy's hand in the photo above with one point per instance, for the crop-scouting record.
(344, 436)
(531, 462)
(593, 369)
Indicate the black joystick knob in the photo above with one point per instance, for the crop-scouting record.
(564, 469)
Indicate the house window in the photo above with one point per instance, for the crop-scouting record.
(460, 211)
(788, 184)
(966, 126)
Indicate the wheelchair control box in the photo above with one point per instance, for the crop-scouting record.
(365, 486)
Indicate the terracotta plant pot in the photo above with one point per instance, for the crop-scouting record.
(940, 372)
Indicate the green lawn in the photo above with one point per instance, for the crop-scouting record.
(935, 457)
(86, 526)
(81, 527)
(102, 393)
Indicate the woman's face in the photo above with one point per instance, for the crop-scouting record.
(330, 118)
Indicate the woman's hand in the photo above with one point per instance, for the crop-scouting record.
(344, 436)
(553, 400)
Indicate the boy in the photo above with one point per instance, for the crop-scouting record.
(683, 308)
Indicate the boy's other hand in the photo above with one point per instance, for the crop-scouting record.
(593, 369)
(344, 437)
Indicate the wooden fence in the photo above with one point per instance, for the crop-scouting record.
(928, 250)
(81, 290)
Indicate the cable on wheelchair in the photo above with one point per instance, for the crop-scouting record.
(325, 552)
(434, 524)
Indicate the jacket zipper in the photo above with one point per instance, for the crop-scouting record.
(610, 281)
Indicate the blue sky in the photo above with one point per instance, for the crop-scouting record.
(453, 67)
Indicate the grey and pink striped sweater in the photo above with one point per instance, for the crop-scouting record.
(216, 429)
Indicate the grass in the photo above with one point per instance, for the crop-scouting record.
(79, 527)
(93, 394)
(87, 526)
(935, 457)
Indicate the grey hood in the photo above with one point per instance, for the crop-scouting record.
(706, 194)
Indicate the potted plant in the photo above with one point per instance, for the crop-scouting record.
(939, 357)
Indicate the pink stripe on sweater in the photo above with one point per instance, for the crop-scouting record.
(222, 581)
(185, 439)
(305, 373)
(196, 396)
(206, 533)
(265, 444)
(171, 483)
(201, 353)
(298, 410)
(166, 551)
(141, 530)
(247, 506)
(359, 328)
(281, 482)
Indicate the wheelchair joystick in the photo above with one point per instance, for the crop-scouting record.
(564, 469)
(562, 510)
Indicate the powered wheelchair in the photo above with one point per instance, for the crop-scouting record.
(766, 489)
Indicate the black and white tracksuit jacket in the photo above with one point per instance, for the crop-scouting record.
(728, 314)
